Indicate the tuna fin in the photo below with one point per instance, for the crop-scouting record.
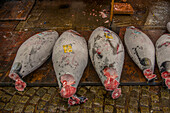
(149, 74)
(116, 93)
(74, 100)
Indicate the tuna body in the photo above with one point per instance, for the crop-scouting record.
(107, 55)
(70, 58)
(163, 57)
(32, 54)
(141, 50)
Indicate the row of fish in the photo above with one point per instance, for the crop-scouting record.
(70, 58)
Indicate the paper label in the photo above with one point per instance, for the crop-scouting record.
(108, 35)
(67, 48)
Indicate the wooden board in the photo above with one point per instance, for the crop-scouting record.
(45, 75)
(8, 25)
(16, 10)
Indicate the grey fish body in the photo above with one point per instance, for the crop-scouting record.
(70, 58)
(33, 53)
(163, 57)
(107, 55)
(141, 50)
(168, 26)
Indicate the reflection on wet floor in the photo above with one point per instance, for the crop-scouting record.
(87, 15)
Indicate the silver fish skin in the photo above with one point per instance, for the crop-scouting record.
(142, 51)
(31, 55)
(168, 26)
(107, 55)
(163, 57)
(70, 58)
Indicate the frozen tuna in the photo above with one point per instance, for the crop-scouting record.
(163, 57)
(107, 55)
(168, 26)
(141, 50)
(31, 55)
(70, 57)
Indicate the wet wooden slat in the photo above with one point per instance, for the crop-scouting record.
(16, 10)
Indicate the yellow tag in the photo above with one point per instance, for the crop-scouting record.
(108, 35)
(67, 48)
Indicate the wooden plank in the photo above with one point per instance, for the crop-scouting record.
(45, 75)
(16, 10)
(8, 25)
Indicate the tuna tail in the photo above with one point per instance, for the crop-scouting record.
(166, 75)
(149, 74)
(116, 93)
(110, 83)
(74, 100)
(167, 82)
(68, 89)
(19, 83)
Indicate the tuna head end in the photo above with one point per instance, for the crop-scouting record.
(167, 82)
(110, 83)
(20, 85)
(148, 73)
(116, 93)
(67, 90)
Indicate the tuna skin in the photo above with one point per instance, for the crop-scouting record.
(69, 65)
(168, 26)
(107, 55)
(163, 57)
(31, 55)
(141, 50)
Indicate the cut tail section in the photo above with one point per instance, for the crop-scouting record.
(116, 93)
(19, 83)
(67, 89)
(149, 74)
(166, 76)
(110, 83)
(167, 82)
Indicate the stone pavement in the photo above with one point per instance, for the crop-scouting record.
(134, 99)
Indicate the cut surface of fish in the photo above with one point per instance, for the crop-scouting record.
(142, 51)
(31, 55)
(163, 57)
(70, 57)
(107, 55)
